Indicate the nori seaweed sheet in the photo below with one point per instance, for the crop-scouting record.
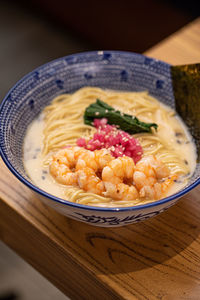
(186, 88)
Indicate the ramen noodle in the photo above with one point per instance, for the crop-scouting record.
(61, 124)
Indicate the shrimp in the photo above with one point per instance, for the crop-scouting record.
(151, 166)
(89, 181)
(152, 178)
(89, 167)
(117, 177)
(96, 160)
(62, 166)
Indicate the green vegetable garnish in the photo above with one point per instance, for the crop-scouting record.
(124, 121)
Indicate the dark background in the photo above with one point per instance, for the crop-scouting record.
(36, 31)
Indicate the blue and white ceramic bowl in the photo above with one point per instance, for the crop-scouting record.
(106, 69)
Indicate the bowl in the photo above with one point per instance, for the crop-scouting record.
(106, 69)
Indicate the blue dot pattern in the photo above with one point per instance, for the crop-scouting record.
(106, 69)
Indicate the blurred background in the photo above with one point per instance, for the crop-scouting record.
(36, 31)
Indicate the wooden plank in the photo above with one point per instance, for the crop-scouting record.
(183, 47)
(46, 240)
(155, 259)
(119, 263)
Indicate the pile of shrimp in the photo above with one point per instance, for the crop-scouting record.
(120, 178)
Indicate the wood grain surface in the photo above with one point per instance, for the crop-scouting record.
(155, 259)
(183, 47)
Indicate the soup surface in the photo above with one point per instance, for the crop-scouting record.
(61, 125)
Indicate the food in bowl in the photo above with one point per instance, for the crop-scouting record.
(109, 70)
(108, 148)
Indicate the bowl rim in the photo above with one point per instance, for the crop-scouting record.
(43, 193)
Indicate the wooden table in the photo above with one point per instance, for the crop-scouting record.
(156, 259)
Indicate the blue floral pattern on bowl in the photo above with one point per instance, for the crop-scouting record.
(106, 69)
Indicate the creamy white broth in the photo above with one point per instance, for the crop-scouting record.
(174, 133)
(33, 160)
